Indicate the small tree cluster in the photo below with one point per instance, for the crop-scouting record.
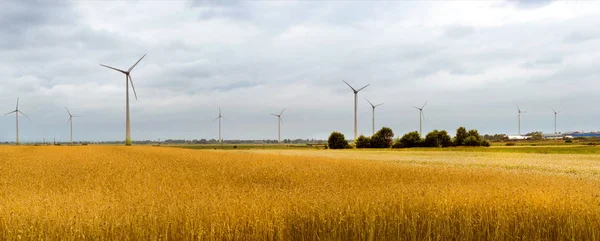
(382, 139)
(337, 141)
(469, 138)
(408, 140)
(441, 138)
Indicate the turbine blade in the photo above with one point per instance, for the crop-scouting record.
(349, 86)
(363, 88)
(136, 63)
(17, 104)
(378, 105)
(281, 120)
(122, 71)
(224, 118)
(69, 120)
(274, 114)
(10, 112)
(24, 114)
(282, 111)
(416, 107)
(423, 114)
(518, 108)
(553, 110)
(370, 103)
(132, 86)
(68, 112)
(216, 119)
(424, 105)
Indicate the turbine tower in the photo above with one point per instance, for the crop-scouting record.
(373, 106)
(555, 114)
(519, 118)
(128, 80)
(219, 118)
(17, 111)
(279, 121)
(355, 102)
(70, 122)
(421, 115)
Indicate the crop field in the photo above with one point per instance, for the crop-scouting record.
(151, 193)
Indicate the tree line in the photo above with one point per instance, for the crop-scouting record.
(384, 138)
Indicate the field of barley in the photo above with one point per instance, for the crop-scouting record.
(151, 193)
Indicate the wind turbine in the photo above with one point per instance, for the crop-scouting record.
(355, 102)
(17, 111)
(520, 118)
(128, 80)
(373, 113)
(70, 122)
(555, 114)
(421, 115)
(219, 118)
(279, 121)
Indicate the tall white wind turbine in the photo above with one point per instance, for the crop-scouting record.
(355, 104)
(219, 118)
(420, 120)
(128, 80)
(279, 121)
(555, 114)
(373, 106)
(519, 118)
(17, 111)
(70, 123)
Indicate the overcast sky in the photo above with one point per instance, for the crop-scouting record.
(473, 61)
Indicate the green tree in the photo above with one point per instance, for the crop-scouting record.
(431, 139)
(537, 136)
(383, 138)
(471, 141)
(461, 135)
(474, 133)
(444, 140)
(411, 139)
(337, 141)
(437, 139)
(363, 142)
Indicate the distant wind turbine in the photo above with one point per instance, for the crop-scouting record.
(421, 115)
(128, 80)
(219, 118)
(17, 111)
(555, 114)
(70, 122)
(355, 103)
(279, 121)
(373, 106)
(520, 112)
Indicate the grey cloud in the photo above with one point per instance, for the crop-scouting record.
(543, 62)
(458, 31)
(530, 4)
(578, 37)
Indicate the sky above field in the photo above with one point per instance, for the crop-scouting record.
(472, 61)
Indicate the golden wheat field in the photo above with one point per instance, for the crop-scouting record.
(152, 193)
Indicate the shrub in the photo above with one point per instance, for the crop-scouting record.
(337, 141)
(568, 141)
(363, 142)
(511, 144)
(411, 139)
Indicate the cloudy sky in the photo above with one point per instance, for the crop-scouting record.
(472, 61)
